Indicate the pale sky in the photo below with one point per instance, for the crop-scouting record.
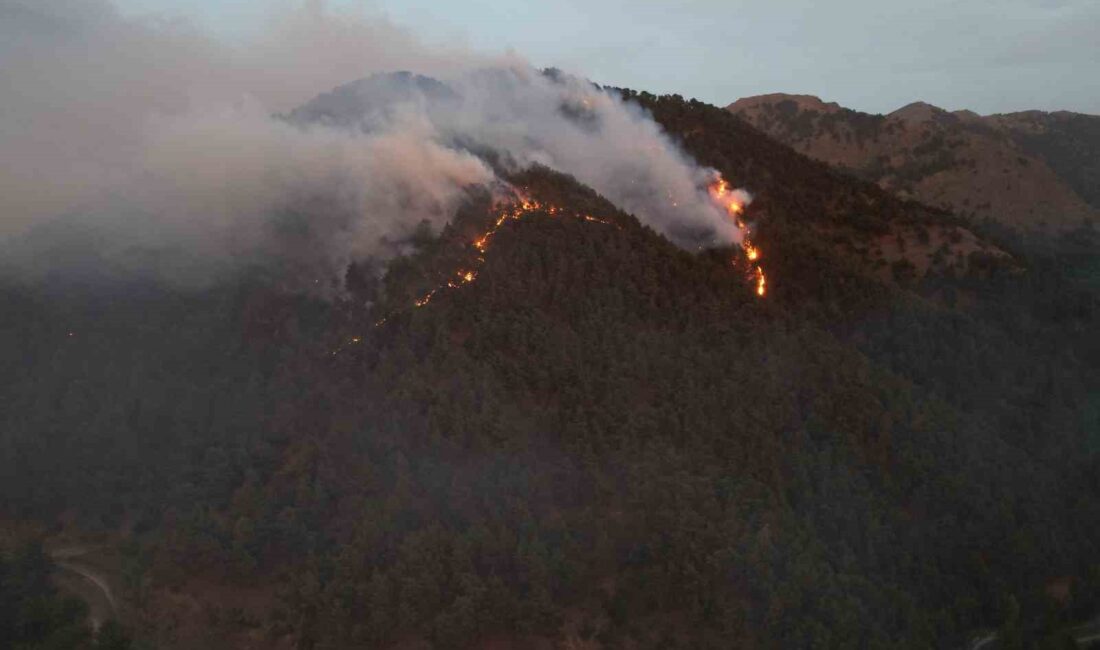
(871, 55)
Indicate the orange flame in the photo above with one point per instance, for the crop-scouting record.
(523, 206)
(721, 193)
(513, 211)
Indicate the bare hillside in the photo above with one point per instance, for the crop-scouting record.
(1020, 169)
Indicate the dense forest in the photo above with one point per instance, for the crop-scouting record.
(604, 440)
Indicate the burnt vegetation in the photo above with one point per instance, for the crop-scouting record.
(603, 438)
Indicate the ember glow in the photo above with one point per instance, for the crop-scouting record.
(733, 202)
(513, 210)
(520, 206)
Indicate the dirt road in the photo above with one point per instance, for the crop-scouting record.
(85, 582)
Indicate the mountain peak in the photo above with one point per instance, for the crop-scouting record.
(353, 103)
(802, 102)
(919, 112)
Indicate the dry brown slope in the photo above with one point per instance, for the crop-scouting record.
(959, 161)
(1068, 142)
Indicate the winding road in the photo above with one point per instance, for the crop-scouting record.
(86, 583)
(1082, 634)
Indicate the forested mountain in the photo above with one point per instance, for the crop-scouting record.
(602, 440)
(1030, 169)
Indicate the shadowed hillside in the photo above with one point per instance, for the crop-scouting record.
(601, 440)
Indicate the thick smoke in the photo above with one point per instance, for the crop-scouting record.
(568, 124)
(149, 135)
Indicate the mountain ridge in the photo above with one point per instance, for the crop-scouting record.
(1026, 168)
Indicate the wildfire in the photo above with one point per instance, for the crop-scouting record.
(513, 211)
(732, 201)
(734, 206)
(354, 340)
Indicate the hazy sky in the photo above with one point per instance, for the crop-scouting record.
(873, 55)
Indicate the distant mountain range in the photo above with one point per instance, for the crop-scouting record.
(1023, 169)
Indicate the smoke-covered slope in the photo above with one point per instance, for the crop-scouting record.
(602, 439)
(850, 223)
(370, 102)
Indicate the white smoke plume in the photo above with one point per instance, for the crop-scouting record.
(152, 135)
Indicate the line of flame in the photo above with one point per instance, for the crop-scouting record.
(720, 192)
(510, 211)
(524, 206)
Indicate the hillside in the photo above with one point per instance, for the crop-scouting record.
(599, 440)
(1024, 169)
(1068, 142)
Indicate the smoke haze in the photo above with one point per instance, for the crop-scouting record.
(153, 135)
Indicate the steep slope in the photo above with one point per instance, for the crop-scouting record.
(808, 202)
(1014, 170)
(1068, 142)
